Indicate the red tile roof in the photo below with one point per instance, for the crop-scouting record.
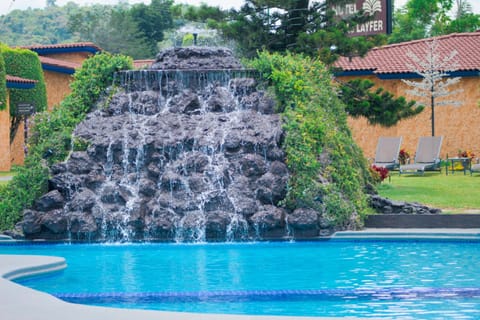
(59, 63)
(393, 58)
(62, 46)
(19, 80)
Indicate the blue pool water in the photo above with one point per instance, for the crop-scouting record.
(397, 280)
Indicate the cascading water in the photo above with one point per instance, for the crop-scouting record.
(188, 150)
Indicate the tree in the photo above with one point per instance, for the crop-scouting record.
(424, 18)
(433, 88)
(152, 21)
(378, 106)
(112, 28)
(295, 25)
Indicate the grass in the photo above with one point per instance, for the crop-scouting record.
(455, 193)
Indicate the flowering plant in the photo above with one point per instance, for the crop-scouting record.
(403, 156)
(466, 154)
(379, 173)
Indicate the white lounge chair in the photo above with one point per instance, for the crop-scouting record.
(427, 156)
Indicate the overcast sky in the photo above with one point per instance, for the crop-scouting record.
(9, 5)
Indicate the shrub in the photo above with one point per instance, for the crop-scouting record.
(25, 63)
(3, 82)
(379, 173)
(318, 141)
(403, 156)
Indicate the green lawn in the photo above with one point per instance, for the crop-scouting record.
(456, 193)
(5, 174)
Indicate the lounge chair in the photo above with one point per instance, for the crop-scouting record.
(427, 156)
(386, 155)
(475, 167)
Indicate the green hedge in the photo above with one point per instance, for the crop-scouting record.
(3, 82)
(318, 141)
(25, 63)
(51, 138)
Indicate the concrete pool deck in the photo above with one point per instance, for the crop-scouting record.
(21, 303)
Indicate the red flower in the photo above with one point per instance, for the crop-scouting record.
(382, 172)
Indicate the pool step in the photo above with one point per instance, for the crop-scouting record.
(413, 234)
(403, 221)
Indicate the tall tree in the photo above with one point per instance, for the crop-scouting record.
(113, 29)
(420, 19)
(153, 20)
(378, 106)
(434, 69)
(295, 25)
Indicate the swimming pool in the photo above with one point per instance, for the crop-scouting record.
(389, 279)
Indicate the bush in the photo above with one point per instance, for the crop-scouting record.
(51, 138)
(3, 82)
(25, 63)
(318, 141)
(29, 183)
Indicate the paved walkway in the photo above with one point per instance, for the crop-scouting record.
(6, 178)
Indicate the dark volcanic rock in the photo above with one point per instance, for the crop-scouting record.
(50, 201)
(385, 205)
(185, 155)
(195, 58)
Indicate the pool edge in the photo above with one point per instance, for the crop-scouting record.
(22, 303)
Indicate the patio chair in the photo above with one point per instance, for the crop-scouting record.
(386, 155)
(427, 156)
(475, 167)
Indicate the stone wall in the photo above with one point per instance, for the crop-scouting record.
(458, 125)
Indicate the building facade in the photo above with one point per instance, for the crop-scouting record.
(387, 65)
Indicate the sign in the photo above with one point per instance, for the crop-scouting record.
(25, 109)
(380, 12)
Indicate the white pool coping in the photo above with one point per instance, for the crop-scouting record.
(21, 303)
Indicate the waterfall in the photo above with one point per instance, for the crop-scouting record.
(187, 151)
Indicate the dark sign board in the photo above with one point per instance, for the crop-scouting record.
(25, 109)
(379, 10)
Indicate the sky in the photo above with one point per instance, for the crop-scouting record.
(9, 5)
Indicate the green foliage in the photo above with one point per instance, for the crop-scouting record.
(37, 26)
(25, 63)
(154, 19)
(378, 106)
(29, 183)
(318, 141)
(3, 82)
(299, 26)
(425, 18)
(51, 134)
(51, 138)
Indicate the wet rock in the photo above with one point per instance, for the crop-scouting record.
(54, 221)
(303, 219)
(269, 218)
(50, 201)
